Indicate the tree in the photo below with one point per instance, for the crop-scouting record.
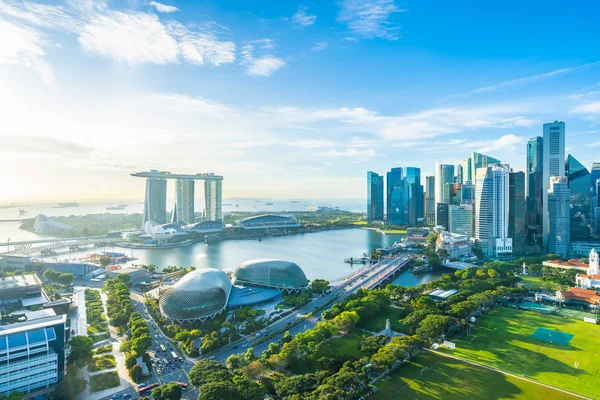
(68, 388)
(65, 279)
(170, 391)
(104, 261)
(319, 286)
(130, 361)
(296, 385)
(248, 390)
(234, 362)
(205, 371)
(219, 391)
(125, 278)
(140, 344)
(135, 373)
(250, 356)
(372, 344)
(52, 275)
(346, 321)
(287, 337)
(81, 348)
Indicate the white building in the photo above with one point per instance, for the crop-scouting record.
(553, 156)
(456, 245)
(491, 210)
(444, 174)
(558, 216)
(591, 279)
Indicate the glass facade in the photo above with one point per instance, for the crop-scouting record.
(399, 205)
(278, 274)
(393, 178)
(553, 165)
(580, 200)
(414, 191)
(533, 188)
(199, 295)
(430, 199)
(516, 210)
(460, 220)
(559, 233)
(374, 197)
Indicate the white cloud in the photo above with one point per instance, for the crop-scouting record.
(202, 47)
(24, 46)
(370, 18)
(589, 108)
(302, 20)
(505, 144)
(263, 65)
(318, 46)
(163, 8)
(351, 152)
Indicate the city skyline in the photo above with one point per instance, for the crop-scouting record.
(243, 89)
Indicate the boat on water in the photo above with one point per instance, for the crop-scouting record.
(66, 205)
(22, 211)
(295, 201)
(421, 269)
(269, 204)
(227, 204)
(115, 208)
(237, 205)
(122, 204)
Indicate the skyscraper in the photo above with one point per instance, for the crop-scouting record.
(393, 178)
(479, 160)
(444, 174)
(516, 210)
(491, 210)
(399, 205)
(460, 219)
(155, 203)
(412, 182)
(534, 187)
(466, 171)
(580, 200)
(374, 197)
(441, 215)
(559, 233)
(184, 202)
(553, 159)
(467, 193)
(430, 199)
(213, 200)
(594, 176)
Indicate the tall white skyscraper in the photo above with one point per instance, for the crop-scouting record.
(559, 216)
(491, 210)
(553, 165)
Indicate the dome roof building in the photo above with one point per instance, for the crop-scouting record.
(278, 274)
(199, 295)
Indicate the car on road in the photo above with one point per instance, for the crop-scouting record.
(116, 396)
(245, 345)
(211, 357)
(127, 395)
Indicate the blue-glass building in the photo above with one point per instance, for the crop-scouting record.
(533, 187)
(581, 200)
(374, 197)
(414, 194)
(393, 178)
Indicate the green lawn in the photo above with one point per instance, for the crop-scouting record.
(100, 337)
(377, 323)
(97, 328)
(536, 283)
(104, 381)
(432, 376)
(102, 362)
(502, 339)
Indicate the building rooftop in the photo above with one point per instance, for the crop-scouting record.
(33, 301)
(29, 325)
(33, 315)
(247, 296)
(572, 263)
(19, 281)
(443, 294)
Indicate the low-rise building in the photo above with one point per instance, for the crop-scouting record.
(135, 274)
(24, 289)
(570, 264)
(579, 297)
(441, 294)
(456, 245)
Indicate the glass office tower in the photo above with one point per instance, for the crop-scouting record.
(580, 200)
(374, 197)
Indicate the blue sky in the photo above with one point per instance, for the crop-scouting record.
(285, 99)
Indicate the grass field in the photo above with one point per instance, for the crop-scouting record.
(432, 376)
(502, 340)
(99, 363)
(104, 381)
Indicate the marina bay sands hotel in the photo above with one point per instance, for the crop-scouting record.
(155, 203)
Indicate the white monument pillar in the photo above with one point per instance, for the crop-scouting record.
(593, 268)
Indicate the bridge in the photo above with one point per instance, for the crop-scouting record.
(48, 245)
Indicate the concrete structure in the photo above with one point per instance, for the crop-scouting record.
(155, 203)
(553, 159)
(516, 211)
(534, 188)
(580, 200)
(198, 296)
(183, 213)
(374, 197)
(393, 179)
(583, 248)
(460, 220)
(32, 354)
(24, 289)
(491, 210)
(267, 221)
(456, 245)
(135, 274)
(430, 199)
(271, 274)
(591, 279)
(45, 226)
(558, 217)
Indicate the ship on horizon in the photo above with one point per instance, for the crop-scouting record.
(66, 205)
